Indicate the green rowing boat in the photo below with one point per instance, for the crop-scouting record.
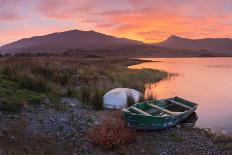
(158, 114)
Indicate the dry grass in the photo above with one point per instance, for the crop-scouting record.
(112, 133)
(31, 79)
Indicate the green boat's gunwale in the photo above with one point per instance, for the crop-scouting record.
(155, 116)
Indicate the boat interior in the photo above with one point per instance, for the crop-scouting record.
(166, 107)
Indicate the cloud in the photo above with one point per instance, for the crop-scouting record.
(146, 20)
(63, 9)
(8, 11)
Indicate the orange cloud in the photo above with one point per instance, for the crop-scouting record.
(145, 20)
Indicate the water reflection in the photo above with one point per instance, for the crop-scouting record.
(206, 81)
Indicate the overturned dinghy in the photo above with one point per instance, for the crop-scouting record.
(117, 98)
(159, 114)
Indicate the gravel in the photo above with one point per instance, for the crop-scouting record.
(70, 128)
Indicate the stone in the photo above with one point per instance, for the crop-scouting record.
(142, 150)
(163, 153)
(52, 119)
(85, 146)
(188, 125)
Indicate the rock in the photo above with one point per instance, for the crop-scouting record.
(85, 146)
(188, 125)
(52, 119)
(72, 102)
(13, 139)
(64, 119)
(142, 150)
(163, 153)
(46, 100)
(96, 123)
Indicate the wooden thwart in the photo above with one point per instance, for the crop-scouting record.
(180, 104)
(161, 109)
(141, 111)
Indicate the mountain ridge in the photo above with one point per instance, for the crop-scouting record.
(216, 45)
(59, 41)
(84, 42)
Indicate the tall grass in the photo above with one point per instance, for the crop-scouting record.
(72, 77)
(85, 94)
(97, 100)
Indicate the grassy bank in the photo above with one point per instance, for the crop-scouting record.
(37, 80)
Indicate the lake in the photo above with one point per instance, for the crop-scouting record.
(206, 81)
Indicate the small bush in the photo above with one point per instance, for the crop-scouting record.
(97, 100)
(71, 92)
(112, 133)
(35, 99)
(11, 104)
(33, 83)
(85, 94)
(223, 142)
(56, 102)
(176, 137)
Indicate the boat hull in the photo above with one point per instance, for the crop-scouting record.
(155, 122)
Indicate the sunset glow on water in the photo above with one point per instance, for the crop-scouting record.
(206, 81)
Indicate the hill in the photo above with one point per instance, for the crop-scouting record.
(215, 45)
(95, 44)
(59, 42)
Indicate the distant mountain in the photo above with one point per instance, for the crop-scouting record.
(85, 43)
(215, 45)
(58, 42)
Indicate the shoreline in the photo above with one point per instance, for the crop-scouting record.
(69, 132)
(65, 123)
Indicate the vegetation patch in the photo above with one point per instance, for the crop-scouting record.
(30, 80)
(176, 137)
(130, 99)
(112, 133)
(223, 142)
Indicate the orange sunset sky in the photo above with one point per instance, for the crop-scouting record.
(145, 20)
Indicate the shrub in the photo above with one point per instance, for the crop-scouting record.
(71, 92)
(97, 100)
(176, 137)
(33, 83)
(85, 94)
(11, 104)
(223, 142)
(35, 99)
(112, 132)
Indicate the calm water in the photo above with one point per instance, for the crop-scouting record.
(206, 81)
